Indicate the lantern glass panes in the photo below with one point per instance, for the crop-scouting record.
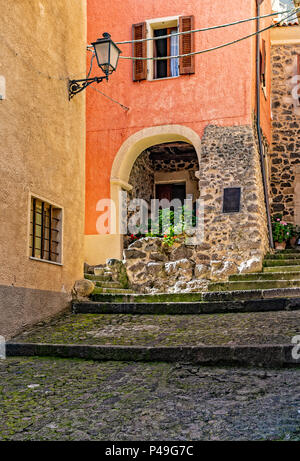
(107, 53)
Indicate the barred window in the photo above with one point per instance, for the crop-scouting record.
(45, 231)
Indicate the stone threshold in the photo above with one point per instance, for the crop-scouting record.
(186, 308)
(267, 356)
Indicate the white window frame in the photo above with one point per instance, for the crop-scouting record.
(151, 25)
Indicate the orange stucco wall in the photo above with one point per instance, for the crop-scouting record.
(265, 98)
(220, 92)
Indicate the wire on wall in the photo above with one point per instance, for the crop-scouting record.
(134, 58)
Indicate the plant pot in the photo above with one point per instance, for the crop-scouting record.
(293, 241)
(280, 245)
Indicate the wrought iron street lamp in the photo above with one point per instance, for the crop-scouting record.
(107, 54)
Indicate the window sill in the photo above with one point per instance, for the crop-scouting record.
(45, 261)
(163, 78)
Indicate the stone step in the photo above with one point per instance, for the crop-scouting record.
(109, 284)
(238, 295)
(265, 276)
(281, 262)
(126, 297)
(259, 355)
(291, 250)
(186, 308)
(242, 338)
(283, 256)
(99, 291)
(281, 269)
(98, 278)
(253, 285)
(102, 271)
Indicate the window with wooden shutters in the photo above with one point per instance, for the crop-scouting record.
(139, 51)
(187, 63)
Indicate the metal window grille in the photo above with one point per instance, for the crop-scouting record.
(45, 231)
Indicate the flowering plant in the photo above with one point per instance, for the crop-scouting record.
(170, 225)
(282, 231)
(132, 238)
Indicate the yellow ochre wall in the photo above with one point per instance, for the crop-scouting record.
(42, 152)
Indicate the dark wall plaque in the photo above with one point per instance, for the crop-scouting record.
(232, 200)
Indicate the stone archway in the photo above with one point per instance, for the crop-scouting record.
(145, 138)
(128, 154)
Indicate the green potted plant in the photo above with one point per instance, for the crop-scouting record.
(281, 232)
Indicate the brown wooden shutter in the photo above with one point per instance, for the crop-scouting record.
(186, 45)
(139, 51)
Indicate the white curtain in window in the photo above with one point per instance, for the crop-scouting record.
(284, 5)
(174, 52)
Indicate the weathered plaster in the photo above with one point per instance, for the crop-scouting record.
(42, 147)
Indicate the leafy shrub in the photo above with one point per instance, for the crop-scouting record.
(282, 231)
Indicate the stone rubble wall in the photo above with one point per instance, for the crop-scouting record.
(153, 266)
(233, 242)
(174, 165)
(142, 178)
(285, 154)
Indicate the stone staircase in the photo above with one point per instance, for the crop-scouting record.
(276, 288)
(280, 270)
(262, 316)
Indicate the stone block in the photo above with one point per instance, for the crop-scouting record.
(156, 269)
(202, 271)
(157, 256)
(181, 252)
(83, 288)
(222, 272)
(132, 253)
(136, 244)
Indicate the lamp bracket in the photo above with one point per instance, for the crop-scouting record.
(76, 86)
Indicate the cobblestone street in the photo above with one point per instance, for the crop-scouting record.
(58, 399)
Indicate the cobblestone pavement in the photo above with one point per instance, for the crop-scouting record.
(168, 330)
(60, 399)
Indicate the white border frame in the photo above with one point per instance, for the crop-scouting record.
(150, 27)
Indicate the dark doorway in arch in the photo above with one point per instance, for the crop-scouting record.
(171, 192)
(166, 170)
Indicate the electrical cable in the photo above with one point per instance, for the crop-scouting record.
(190, 54)
(208, 49)
(201, 30)
(91, 65)
(111, 99)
